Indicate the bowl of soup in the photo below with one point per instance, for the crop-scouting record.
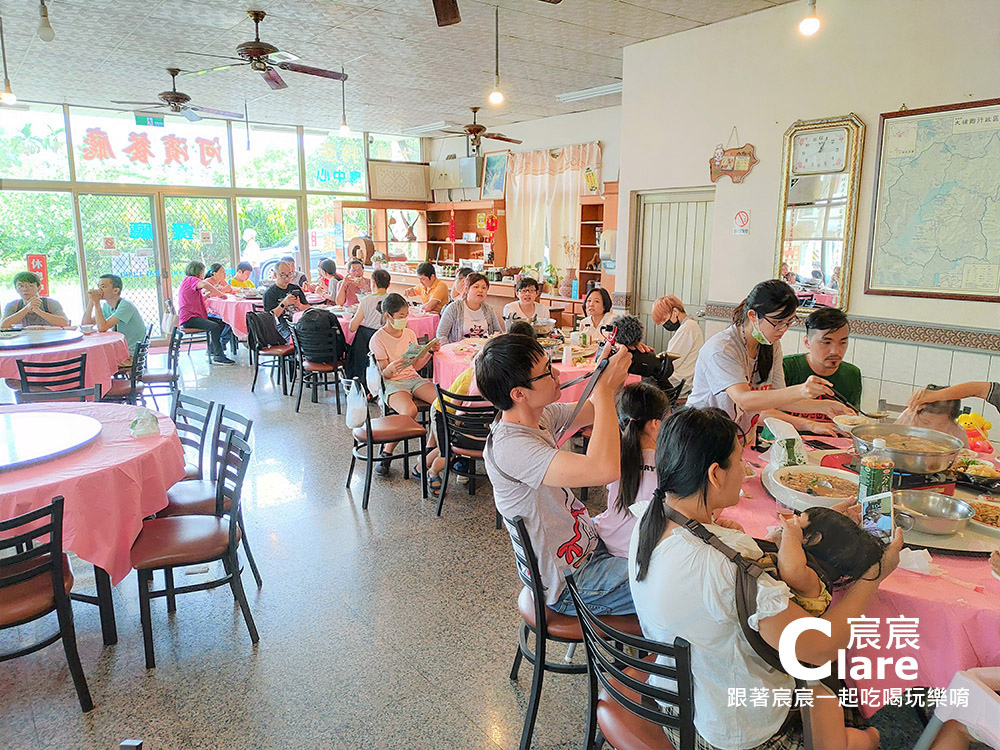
(808, 486)
(916, 450)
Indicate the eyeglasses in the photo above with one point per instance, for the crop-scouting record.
(549, 372)
(284, 276)
(783, 325)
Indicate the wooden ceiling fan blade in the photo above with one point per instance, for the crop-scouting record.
(446, 12)
(219, 112)
(141, 104)
(272, 79)
(500, 137)
(206, 54)
(190, 115)
(212, 70)
(454, 132)
(310, 70)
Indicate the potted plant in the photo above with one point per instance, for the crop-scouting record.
(378, 259)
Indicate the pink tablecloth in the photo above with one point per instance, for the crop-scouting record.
(105, 351)
(959, 628)
(233, 310)
(422, 324)
(109, 485)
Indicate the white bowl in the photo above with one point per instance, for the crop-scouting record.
(802, 500)
(847, 422)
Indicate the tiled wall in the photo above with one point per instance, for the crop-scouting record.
(893, 370)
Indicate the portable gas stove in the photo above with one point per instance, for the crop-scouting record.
(941, 482)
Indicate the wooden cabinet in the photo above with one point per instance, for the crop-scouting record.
(591, 226)
(470, 218)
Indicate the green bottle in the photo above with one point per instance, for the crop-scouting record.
(875, 476)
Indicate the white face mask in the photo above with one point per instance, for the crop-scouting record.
(758, 335)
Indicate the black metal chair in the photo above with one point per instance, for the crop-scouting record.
(629, 711)
(35, 579)
(130, 391)
(167, 543)
(546, 625)
(73, 394)
(381, 431)
(261, 341)
(193, 497)
(423, 407)
(466, 422)
(311, 349)
(165, 382)
(48, 376)
(192, 417)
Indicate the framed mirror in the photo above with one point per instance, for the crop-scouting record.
(820, 178)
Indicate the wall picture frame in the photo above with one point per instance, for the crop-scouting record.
(494, 182)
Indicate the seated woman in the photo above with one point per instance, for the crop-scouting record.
(353, 284)
(470, 317)
(192, 313)
(699, 472)
(526, 307)
(939, 414)
(216, 276)
(461, 285)
(399, 373)
(32, 309)
(328, 280)
(597, 323)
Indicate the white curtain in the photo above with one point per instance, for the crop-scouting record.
(543, 192)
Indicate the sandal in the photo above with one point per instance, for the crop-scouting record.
(415, 474)
(434, 485)
(383, 463)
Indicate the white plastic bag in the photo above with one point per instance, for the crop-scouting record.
(144, 423)
(787, 448)
(373, 377)
(357, 407)
(169, 321)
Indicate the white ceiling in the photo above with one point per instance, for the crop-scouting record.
(403, 70)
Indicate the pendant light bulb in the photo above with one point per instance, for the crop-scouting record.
(344, 130)
(496, 97)
(7, 97)
(45, 31)
(811, 23)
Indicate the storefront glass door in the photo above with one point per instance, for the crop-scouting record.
(197, 229)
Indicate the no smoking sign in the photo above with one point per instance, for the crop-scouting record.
(741, 223)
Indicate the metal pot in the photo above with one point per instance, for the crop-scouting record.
(932, 513)
(914, 462)
(544, 326)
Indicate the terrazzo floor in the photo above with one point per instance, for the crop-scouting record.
(390, 628)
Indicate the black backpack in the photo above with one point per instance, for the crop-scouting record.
(313, 330)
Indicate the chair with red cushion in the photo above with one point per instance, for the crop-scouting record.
(52, 376)
(130, 390)
(381, 431)
(319, 354)
(165, 382)
(629, 711)
(196, 497)
(168, 543)
(191, 417)
(546, 624)
(466, 422)
(36, 580)
(82, 395)
(263, 340)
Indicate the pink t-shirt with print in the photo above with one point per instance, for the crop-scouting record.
(387, 348)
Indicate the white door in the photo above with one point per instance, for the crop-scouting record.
(674, 240)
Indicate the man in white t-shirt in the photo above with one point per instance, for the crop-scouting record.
(668, 311)
(531, 477)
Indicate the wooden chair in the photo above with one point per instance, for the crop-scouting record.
(466, 422)
(165, 382)
(130, 391)
(35, 579)
(191, 417)
(193, 497)
(546, 624)
(312, 346)
(278, 355)
(48, 376)
(73, 394)
(167, 543)
(628, 710)
(380, 431)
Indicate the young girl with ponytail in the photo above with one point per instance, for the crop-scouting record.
(685, 588)
(641, 409)
(739, 369)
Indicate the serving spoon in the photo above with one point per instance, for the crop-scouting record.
(870, 415)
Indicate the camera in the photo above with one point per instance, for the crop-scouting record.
(644, 364)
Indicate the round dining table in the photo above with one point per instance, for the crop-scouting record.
(958, 612)
(233, 310)
(110, 483)
(105, 351)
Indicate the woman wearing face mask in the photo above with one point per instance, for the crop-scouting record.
(686, 341)
(739, 369)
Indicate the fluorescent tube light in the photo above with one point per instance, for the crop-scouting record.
(575, 96)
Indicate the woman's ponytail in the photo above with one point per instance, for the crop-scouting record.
(651, 528)
(638, 403)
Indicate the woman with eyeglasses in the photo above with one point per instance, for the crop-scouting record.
(739, 369)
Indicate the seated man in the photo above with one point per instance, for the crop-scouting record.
(827, 332)
(242, 278)
(32, 309)
(531, 476)
(433, 292)
(353, 284)
(299, 277)
(283, 297)
(109, 311)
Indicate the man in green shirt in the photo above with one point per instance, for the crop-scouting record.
(108, 311)
(827, 332)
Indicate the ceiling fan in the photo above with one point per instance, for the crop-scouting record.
(477, 132)
(264, 58)
(447, 11)
(177, 102)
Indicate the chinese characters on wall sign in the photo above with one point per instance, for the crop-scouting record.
(97, 147)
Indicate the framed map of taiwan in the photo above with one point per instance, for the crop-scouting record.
(936, 214)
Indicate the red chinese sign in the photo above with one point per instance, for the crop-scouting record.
(138, 148)
(39, 265)
(97, 147)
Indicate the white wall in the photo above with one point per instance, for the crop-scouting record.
(684, 93)
(602, 125)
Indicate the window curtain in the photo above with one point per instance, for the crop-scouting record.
(543, 192)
